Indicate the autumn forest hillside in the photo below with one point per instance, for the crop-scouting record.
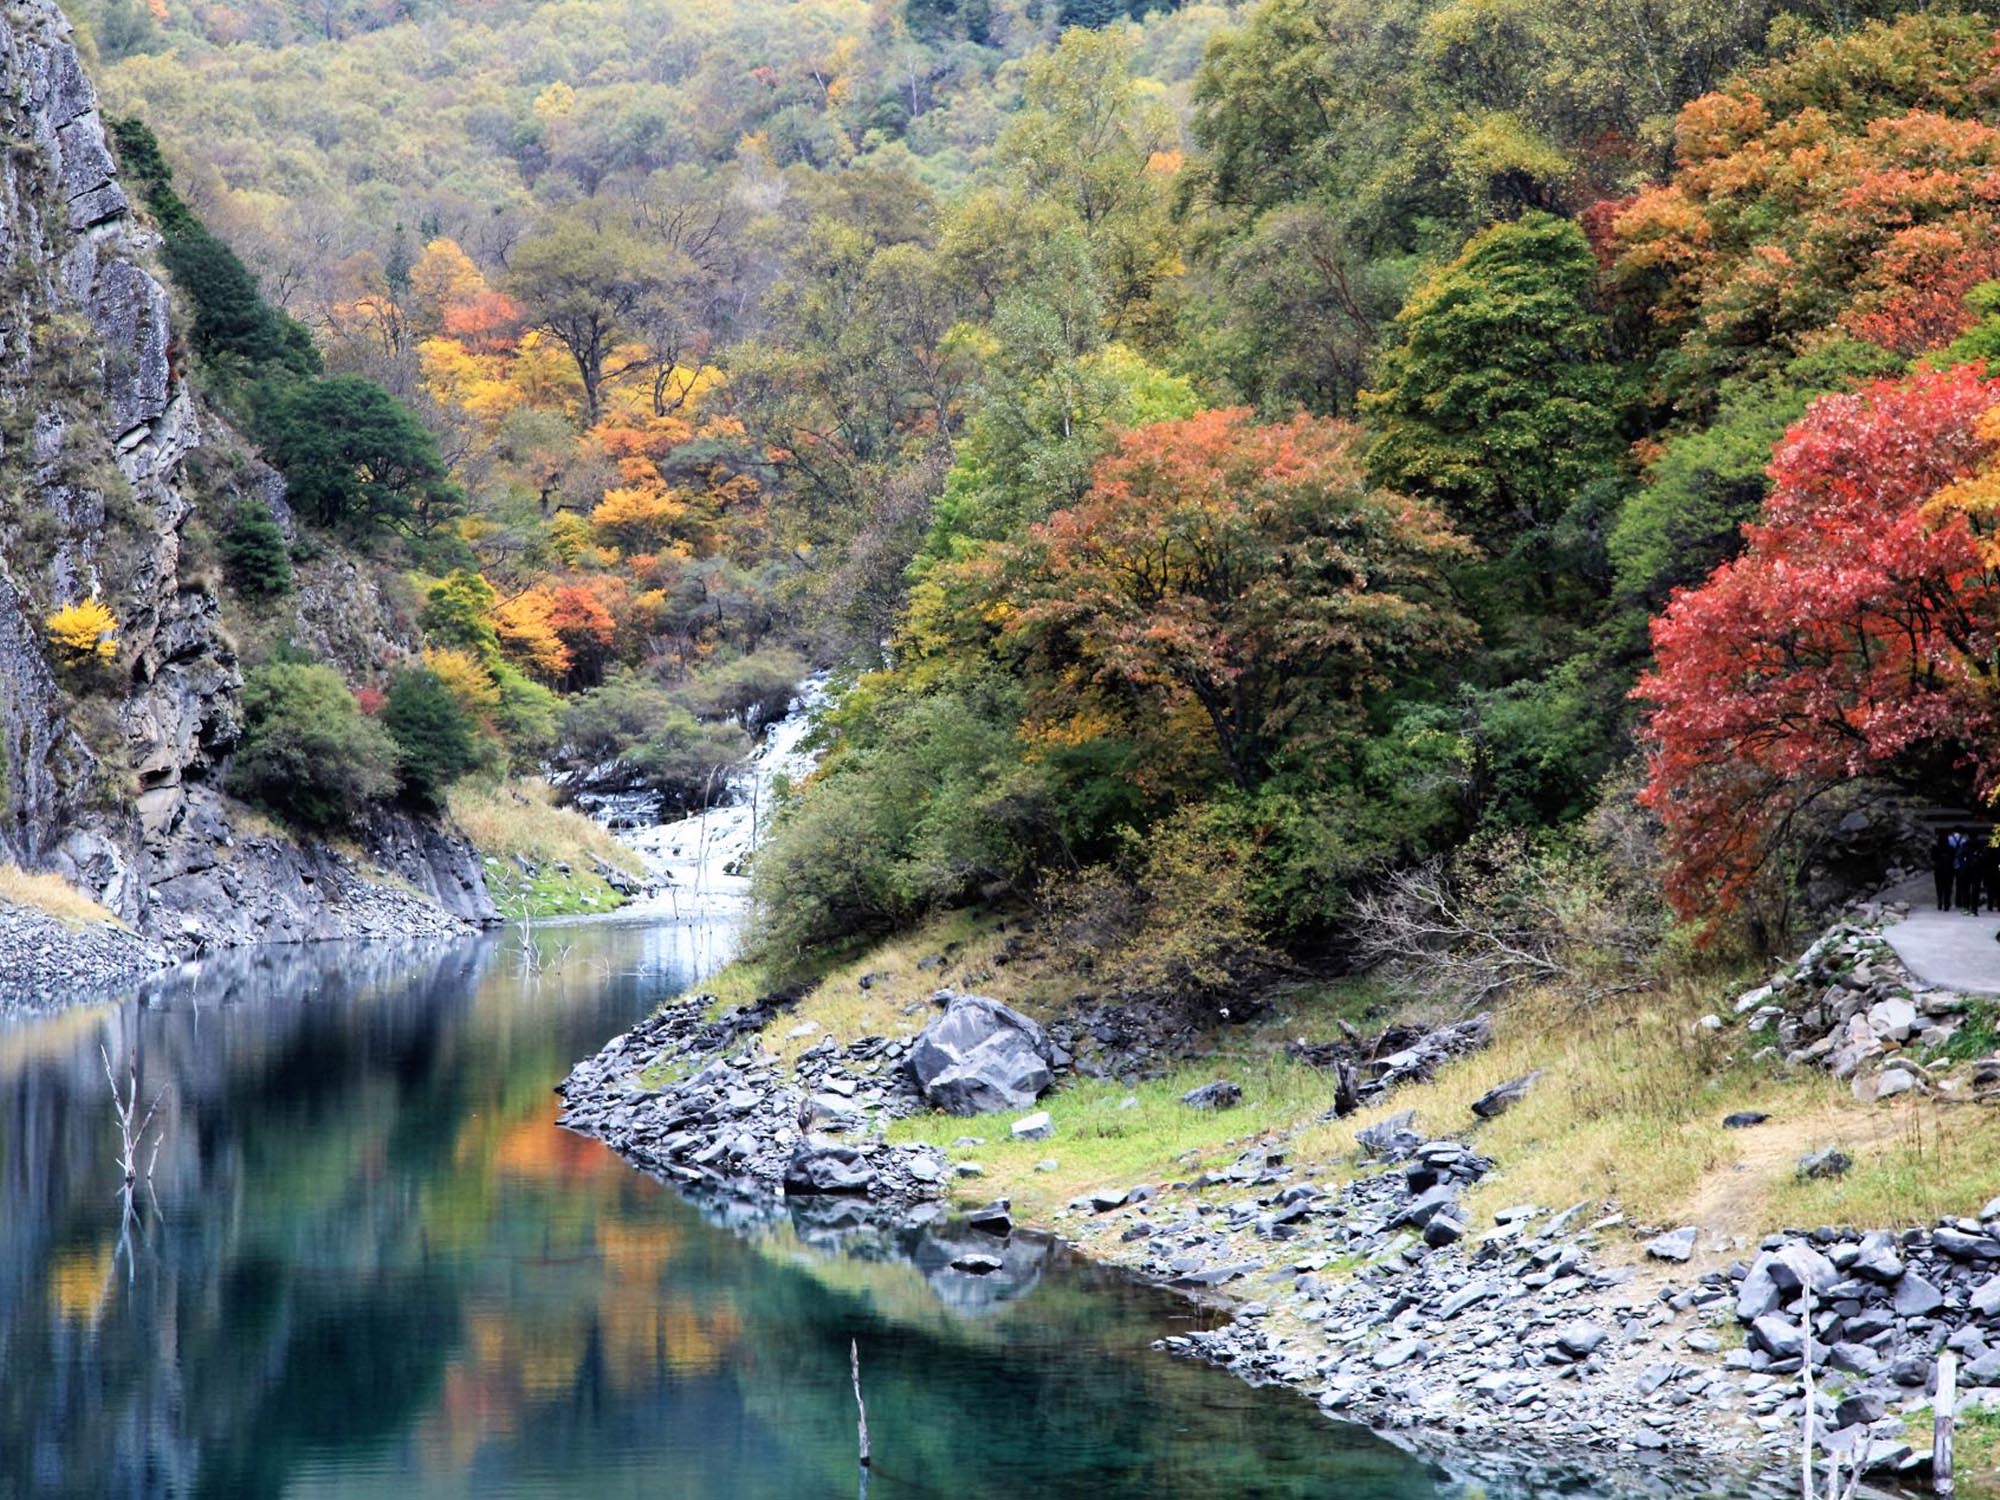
(1232, 456)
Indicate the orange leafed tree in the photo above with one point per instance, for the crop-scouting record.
(1853, 186)
(586, 627)
(1232, 574)
(564, 633)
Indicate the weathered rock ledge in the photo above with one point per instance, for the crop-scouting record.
(115, 782)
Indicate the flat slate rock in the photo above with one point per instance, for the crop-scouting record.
(1678, 1247)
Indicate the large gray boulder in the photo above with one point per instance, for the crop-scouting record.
(1777, 1276)
(981, 1056)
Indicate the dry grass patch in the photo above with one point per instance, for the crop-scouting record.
(1629, 1106)
(516, 825)
(1630, 1109)
(520, 817)
(247, 822)
(1915, 1161)
(51, 895)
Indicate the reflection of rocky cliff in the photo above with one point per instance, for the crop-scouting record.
(126, 1364)
(108, 460)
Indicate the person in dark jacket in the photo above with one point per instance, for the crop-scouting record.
(1965, 870)
(1941, 867)
(1990, 868)
(1960, 847)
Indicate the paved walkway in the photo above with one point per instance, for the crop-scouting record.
(1945, 948)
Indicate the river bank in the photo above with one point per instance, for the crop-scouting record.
(366, 1261)
(705, 1104)
(58, 946)
(1514, 1295)
(47, 962)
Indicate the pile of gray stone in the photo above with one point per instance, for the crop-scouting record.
(1850, 1006)
(1519, 1328)
(46, 963)
(703, 1101)
(1884, 1306)
(1515, 1330)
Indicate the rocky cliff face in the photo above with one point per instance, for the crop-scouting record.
(115, 781)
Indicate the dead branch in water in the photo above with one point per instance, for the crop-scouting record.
(854, 1361)
(126, 1103)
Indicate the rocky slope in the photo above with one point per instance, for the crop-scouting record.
(114, 779)
(1510, 1339)
(46, 963)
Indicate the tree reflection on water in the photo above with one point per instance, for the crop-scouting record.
(369, 1262)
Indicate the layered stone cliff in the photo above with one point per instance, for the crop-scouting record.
(116, 782)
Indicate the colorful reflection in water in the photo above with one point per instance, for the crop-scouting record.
(368, 1264)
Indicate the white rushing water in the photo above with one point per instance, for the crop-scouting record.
(700, 859)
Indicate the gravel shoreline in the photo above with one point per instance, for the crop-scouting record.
(1595, 1376)
(46, 963)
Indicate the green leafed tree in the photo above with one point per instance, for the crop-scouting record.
(1501, 403)
(436, 743)
(255, 557)
(1047, 415)
(584, 278)
(308, 753)
(458, 612)
(1084, 144)
(354, 457)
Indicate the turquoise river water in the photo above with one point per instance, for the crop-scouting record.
(368, 1264)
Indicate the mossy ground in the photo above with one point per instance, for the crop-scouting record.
(548, 892)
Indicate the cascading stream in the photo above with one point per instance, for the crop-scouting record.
(700, 858)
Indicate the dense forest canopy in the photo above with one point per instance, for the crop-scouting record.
(1232, 451)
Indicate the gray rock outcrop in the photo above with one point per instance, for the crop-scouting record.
(116, 784)
(980, 1057)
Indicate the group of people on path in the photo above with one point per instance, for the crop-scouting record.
(1966, 867)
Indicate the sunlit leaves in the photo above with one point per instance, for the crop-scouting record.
(84, 631)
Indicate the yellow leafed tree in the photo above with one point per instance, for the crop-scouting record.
(639, 515)
(84, 631)
(466, 678)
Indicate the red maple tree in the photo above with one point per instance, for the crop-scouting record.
(1855, 634)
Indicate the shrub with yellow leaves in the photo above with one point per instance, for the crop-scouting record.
(86, 631)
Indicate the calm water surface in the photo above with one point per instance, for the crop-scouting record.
(371, 1265)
